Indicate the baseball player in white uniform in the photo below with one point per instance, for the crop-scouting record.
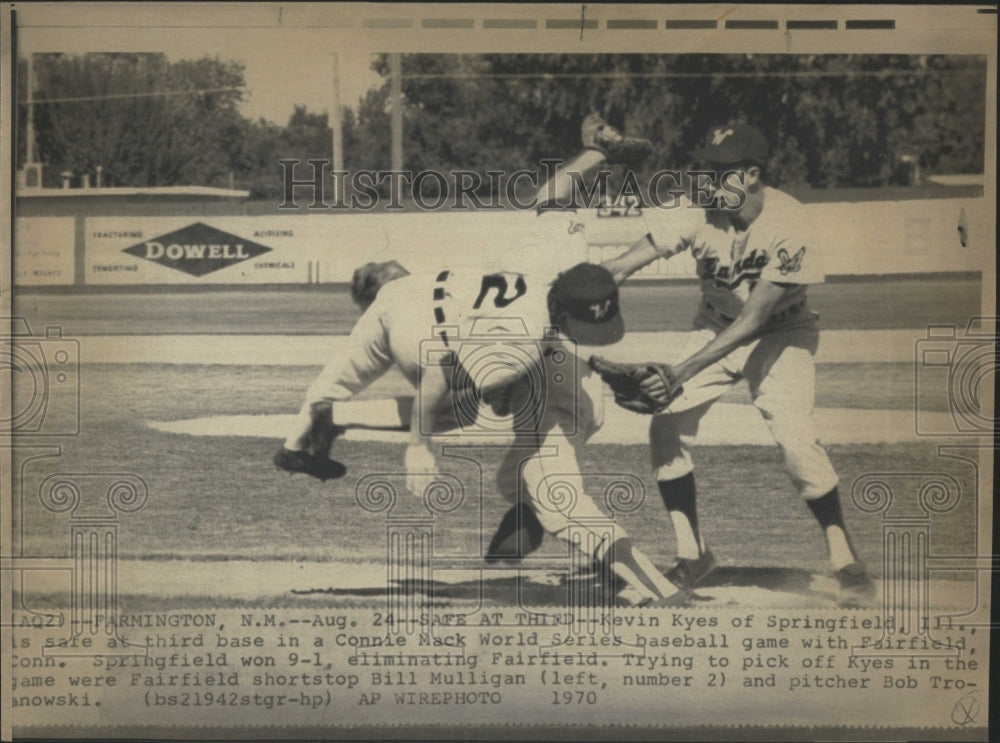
(756, 253)
(506, 338)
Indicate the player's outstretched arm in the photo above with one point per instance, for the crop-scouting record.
(642, 253)
(671, 230)
(747, 326)
(420, 460)
(560, 188)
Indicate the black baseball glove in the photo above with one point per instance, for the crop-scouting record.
(625, 380)
(618, 149)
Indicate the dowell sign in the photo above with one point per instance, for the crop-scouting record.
(197, 249)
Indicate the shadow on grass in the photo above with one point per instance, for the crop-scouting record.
(782, 580)
(535, 587)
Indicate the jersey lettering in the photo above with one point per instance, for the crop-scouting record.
(746, 269)
(499, 282)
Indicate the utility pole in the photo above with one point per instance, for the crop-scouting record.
(337, 125)
(30, 135)
(396, 104)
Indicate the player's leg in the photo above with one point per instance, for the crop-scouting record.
(548, 463)
(782, 378)
(396, 413)
(520, 532)
(554, 487)
(366, 357)
(671, 435)
(602, 144)
(560, 189)
(383, 414)
(392, 331)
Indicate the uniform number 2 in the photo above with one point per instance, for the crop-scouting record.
(499, 282)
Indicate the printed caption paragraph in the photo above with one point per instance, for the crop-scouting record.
(306, 667)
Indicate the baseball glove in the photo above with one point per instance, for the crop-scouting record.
(370, 278)
(625, 380)
(598, 135)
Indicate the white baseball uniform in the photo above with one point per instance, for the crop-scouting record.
(780, 246)
(497, 327)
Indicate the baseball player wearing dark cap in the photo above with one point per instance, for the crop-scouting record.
(756, 252)
(504, 338)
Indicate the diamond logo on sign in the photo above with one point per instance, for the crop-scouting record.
(197, 249)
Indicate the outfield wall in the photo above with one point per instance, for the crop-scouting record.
(866, 238)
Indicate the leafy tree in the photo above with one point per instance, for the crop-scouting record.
(144, 120)
(833, 120)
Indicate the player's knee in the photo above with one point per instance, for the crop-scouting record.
(675, 468)
(811, 472)
(553, 522)
(557, 497)
(669, 455)
(817, 485)
(807, 464)
(671, 432)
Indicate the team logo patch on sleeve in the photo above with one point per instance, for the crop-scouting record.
(790, 264)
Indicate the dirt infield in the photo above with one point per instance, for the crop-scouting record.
(279, 583)
(724, 424)
(836, 346)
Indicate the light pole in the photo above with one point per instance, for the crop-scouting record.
(337, 125)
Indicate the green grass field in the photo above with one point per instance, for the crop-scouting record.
(220, 498)
(868, 304)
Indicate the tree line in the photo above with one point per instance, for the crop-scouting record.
(832, 120)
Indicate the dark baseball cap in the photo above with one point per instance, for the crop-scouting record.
(584, 302)
(734, 143)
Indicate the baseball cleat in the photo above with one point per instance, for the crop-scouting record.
(321, 468)
(618, 149)
(688, 573)
(857, 589)
(520, 533)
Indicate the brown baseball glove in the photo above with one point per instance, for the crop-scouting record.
(625, 380)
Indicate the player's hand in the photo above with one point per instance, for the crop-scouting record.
(421, 467)
(654, 387)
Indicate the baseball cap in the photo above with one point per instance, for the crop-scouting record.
(584, 301)
(734, 143)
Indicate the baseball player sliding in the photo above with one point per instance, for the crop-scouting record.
(756, 253)
(507, 338)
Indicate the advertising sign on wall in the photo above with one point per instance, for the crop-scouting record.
(857, 238)
(221, 250)
(301, 249)
(43, 251)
